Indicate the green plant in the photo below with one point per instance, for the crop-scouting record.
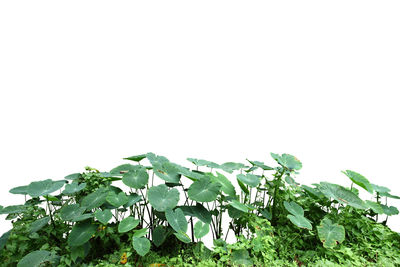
(152, 210)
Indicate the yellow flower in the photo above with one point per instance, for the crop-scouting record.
(124, 258)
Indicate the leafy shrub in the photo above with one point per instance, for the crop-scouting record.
(161, 211)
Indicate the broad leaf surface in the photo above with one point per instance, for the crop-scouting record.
(81, 233)
(249, 179)
(330, 233)
(136, 179)
(342, 195)
(162, 198)
(177, 220)
(45, 187)
(204, 190)
(201, 229)
(95, 199)
(127, 224)
(359, 180)
(103, 216)
(141, 245)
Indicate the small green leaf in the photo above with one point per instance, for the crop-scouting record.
(202, 162)
(243, 187)
(200, 229)
(330, 234)
(81, 233)
(300, 221)
(127, 224)
(261, 165)
(103, 216)
(136, 158)
(162, 198)
(73, 176)
(141, 245)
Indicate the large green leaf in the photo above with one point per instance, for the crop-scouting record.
(392, 210)
(359, 180)
(45, 187)
(177, 220)
(313, 192)
(226, 185)
(183, 237)
(37, 258)
(380, 189)
(132, 199)
(201, 229)
(73, 176)
(330, 233)
(95, 199)
(168, 171)
(198, 211)
(103, 216)
(386, 194)
(162, 198)
(20, 190)
(300, 221)
(124, 168)
(342, 195)
(204, 190)
(232, 166)
(38, 224)
(159, 235)
(249, 179)
(13, 209)
(141, 245)
(83, 217)
(127, 224)
(288, 161)
(239, 206)
(117, 200)
(294, 208)
(4, 239)
(70, 212)
(81, 233)
(376, 207)
(136, 179)
(73, 188)
(241, 257)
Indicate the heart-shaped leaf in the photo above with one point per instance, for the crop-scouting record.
(95, 199)
(159, 235)
(226, 186)
(37, 258)
(69, 212)
(136, 179)
(162, 198)
(168, 171)
(127, 224)
(103, 216)
(287, 161)
(117, 200)
(73, 188)
(38, 224)
(201, 229)
(249, 179)
(45, 187)
(204, 190)
(359, 180)
(232, 166)
(177, 220)
(294, 208)
(20, 190)
(300, 221)
(81, 233)
(141, 245)
(341, 194)
(330, 234)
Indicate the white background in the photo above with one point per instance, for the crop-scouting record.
(90, 82)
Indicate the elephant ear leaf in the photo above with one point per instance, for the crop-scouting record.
(359, 180)
(141, 245)
(288, 161)
(330, 233)
(297, 215)
(37, 258)
(204, 190)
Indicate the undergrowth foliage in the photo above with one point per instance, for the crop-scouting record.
(153, 211)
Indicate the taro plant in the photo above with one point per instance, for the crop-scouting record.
(150, 205)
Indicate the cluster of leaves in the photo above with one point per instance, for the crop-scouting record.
(141, 213)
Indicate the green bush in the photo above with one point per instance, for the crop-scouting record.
(161, 211)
